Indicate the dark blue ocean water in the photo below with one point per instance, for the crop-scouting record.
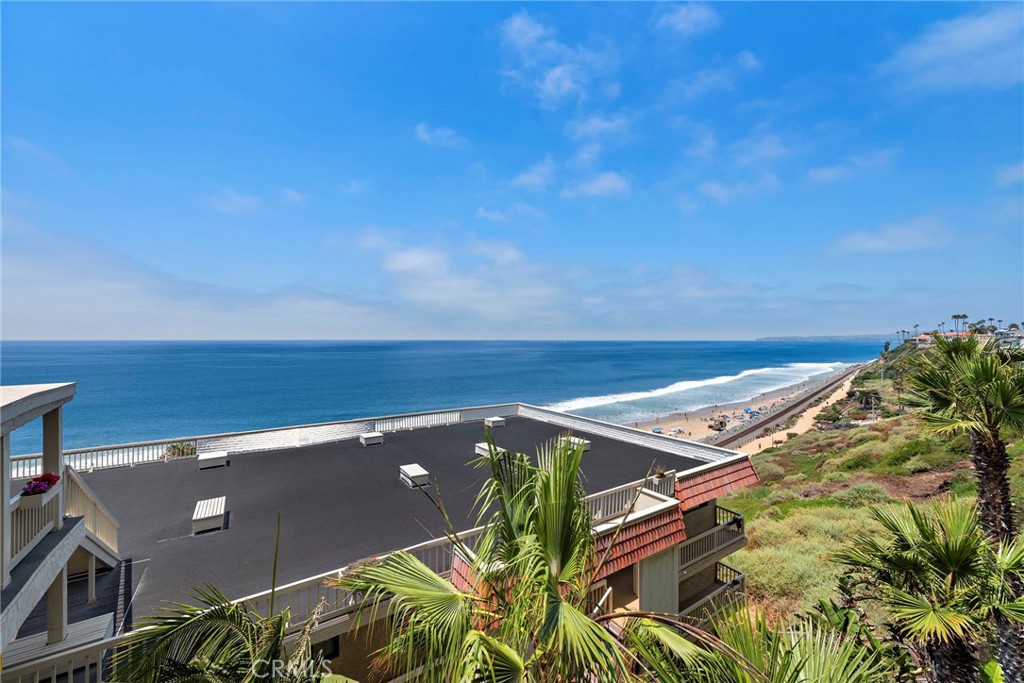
(134, 391)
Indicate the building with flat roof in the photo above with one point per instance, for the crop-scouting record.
(205, 509)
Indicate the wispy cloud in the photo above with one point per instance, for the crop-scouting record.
(598, 125)
(439, 137)
(758, 149)
(1010, 175)
(294, 197)
(853, 165)
(918, 234)
(587, 156)
(606, 184)
(513, 212)
(687, 20)
(228, 200)
(977, 51)
(723, 193)
(24, 146)
(716, 79)
(355, 186)
(537, 176)
(556, 73)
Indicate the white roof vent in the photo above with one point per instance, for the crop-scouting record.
(413, 476)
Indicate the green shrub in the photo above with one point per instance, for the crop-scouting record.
(915, 465)
(787, 562)
(835, 478)
(769, 470)
(780, 496)
(860, 461)
(797, 478)
(963, 484)
(910, 449)
(858, 495)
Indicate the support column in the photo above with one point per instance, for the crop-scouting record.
(91, 595)
(5, 496)
(53, 455)
(57, 608)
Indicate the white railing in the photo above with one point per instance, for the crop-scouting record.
(122, 455)
(29, 524)
(666, 444)
(727, 531)
(130, 454)
(395, 424)
(85, 662)
(80, 501)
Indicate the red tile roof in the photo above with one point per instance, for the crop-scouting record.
(699, 488)
(640, 540)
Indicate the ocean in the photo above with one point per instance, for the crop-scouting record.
(137, 391)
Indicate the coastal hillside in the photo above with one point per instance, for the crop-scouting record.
(817, 487)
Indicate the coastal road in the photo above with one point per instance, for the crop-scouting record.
(755, 430)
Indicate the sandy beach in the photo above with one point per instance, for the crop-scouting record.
(695, 425)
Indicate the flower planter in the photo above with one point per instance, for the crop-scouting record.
(38, 500)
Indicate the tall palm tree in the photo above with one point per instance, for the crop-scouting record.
(525, 615)
(218, 641)
(942, 583)
(965, 387)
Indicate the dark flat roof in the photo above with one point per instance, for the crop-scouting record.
(338, 502)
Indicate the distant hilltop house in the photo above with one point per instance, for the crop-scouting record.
(1007, 339)
(185, 511)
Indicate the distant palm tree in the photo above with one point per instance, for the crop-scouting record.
(941, 582)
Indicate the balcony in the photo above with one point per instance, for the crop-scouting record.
(726, 591)
(721, 540)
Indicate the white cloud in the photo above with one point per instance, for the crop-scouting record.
(598, 125)
(587, 156)
(295, 197)
(858, 162)
(688, 20)
(723, 193)
(516, 210)
(27, 147)
(439, 137)
(759, 149)
(716, 79)
(231, 201)
(1010, 175)
(977, 51)
(605, 184)
(416, 260)
(500, 253)
(917, 234)
(556, 73)
(62, 286)
(537, 176)
(356, 186)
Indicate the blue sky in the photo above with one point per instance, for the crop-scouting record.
(671, 171)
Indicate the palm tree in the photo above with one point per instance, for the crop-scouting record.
(521, 612)
(216, 641)
(965, 387)
(942, 582)
(524, 614)
(805, 651)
